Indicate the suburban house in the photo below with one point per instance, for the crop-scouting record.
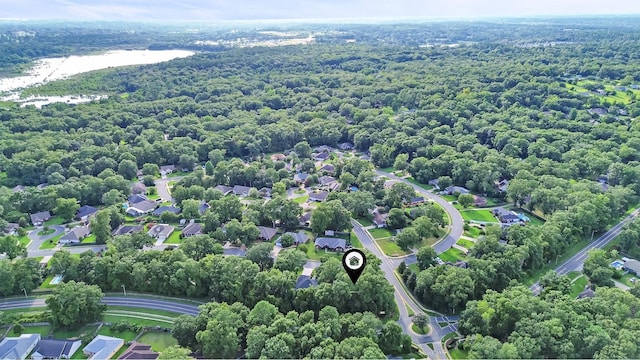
(456, 190)
(85, 212)
(267, 233)
(136, 198)
(18, 347)
(224, 189)
(102, 347)
(505, 216)
(193, 228)
(265, 192)
(632, 266)
(586, 293)
(55, 349)
(18, 188)
(320, 157)
(479, 201)
(389, 183)
(345, 146)
(161, 232)
(138, 188)
(241, 190)
(305, 281)
(298, 238)
(502, 185)
(163, 209)
(599, 111)
(319, 196)
(127, 230)
(416, 201)
(300, 177)
(380, 220)
(328, 168)
(326, 180)
(167, 169)
(39, 218)
(334, 244)
(278, 157)
(434, 183)
(203, 207)
(305, 219)
(11, 229)
(323, 148)
(138, 351)
(141, 208)
(75, 235)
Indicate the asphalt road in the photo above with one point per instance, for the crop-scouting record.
(576, 262)
(404, 300)
(37, 240)
(144, 303)
(457, 223)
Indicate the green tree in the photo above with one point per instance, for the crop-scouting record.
(426, 257)
(10, 246)
(330, 215)
(465, 200)
(101, 227)
(421, 320)
(401, 162)
(127, 169)
(150, 169)
(175, 352)
(66, 208)
(407, 238)
(397, 219)
(303, 150)
(290, 260)
(74, 304)
(191, 209)
(261, 255)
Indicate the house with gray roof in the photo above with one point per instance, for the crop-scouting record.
(320, 157)
(241, 190)
(55, 349)
(298, 238)
(127, 230)
(17, 348)
(305, 281)
(326, 180)
(167, 169)
(18, 188)
(300, 177)
(138, 188)
(39, 218)
(75, 235)
(11, 229)
(161, 232)
(224, 189)
(456, 190)
(162, 209)
(193, 228)
(328, 168)
(334, 244)
(632, 266)
(136, 198)
(141, 208)
(267, 233)
(85, 212)
(203, 207)
(505, 216)
(102, 347)
(305, 219)
(319, 196)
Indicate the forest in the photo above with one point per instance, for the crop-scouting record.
(498, 105)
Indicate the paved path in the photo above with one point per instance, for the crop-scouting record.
(404, 300)
(576, 261)
(457, 223)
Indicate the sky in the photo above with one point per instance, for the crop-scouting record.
(233, 10)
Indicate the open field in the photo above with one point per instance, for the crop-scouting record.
(380, 233)
(301, 199)
(56, 220)
(390, 248)
(174, 238)
(364, 221)
(478, 215)
(468, 244)
(452, 255)
(158, 340)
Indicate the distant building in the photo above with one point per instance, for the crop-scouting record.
(141, 208)
(300, 177)
(138, 188)
(75, 235)
(278, 157)
(163, 209)
(102, 347)
(241, 190)
(11, 229)
(138, 351)
(479, 201)
(632, 266)
(136, 198)
(267, 233)
(161, 232)
(505, 216)
(192, 229)
(85, 212)
(55, 349)
(305, 281)
(334, 244)
(167, 169)
(225, 190)
(305, 219)
(456, 190)
(39, 218)
(298, 238)
(18, 347)
(127, 230)
(319, 196)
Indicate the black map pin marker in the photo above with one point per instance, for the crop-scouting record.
(354, 262)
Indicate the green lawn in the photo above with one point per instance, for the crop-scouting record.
(467, 244)
(457, 353)
(91, 239)
(578, 286)
(49, 244)
(56, 220)
(415, 182)
(388, 169)
(44, 232)
(134, 320)
(452, 255)
(478, 215)
(158, 341)
(380, 233)
(390, 248)
(364, 221)
(143, 310)
(449, 197)
(473, 232)
(42, 330)
(125, 335)
(355, 242)
(174, 238)
(318, 254)
(45, 282)
(299, 191)
(24, 240)
(301, 199)
(72, 334)
(417, 330)
(620, 97)
(574, 274)
(626, 279)
(414, 267)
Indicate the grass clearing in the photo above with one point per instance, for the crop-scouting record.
(45, 232)
(355, 242)
(417, 329)
(457, 353)
(467, 244)
(143, 311)
(125, 335)
(73, 334)
(43, 330)
(380, 233)
(301, 199)
(452, 255)
(91, 239)
(390, 248)
(578, 286)
(409, 310)
(318, 254)
(134, 320)
(626, 279)
(158, 340)
(416, 182)
(24, 240)
(449, 198)
(174, 238)
(473, 232)
(299, 191)
(573, 275)
(56, 220)
(49, 244)
(478, 215)
(414, 267)
(364, 221)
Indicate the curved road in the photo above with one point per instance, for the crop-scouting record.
(456, 228)
(576, 261)
(144, 303)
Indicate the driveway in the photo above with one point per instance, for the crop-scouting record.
(37, 240)
(162, 186)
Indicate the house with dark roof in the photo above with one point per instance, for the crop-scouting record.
(305, 219)
(163, 209)
(167, 169)
(502, 185)
(380, 220)
(55, 349)
(329, 168)
(305, 281)
(224, 189)
(333, 244)
(456, 190)
(18, 347)
(203, 207)
(161, 232)
(75, 235)
(267, 233)
(319, 196)
(265, 192)
(42, 186)
(587, 293)
(11, 229)
(632, 266)
(136, 198)
(138, 188)
(85, 212)
(39, 218)
(298, 238)
(139, 351)
(505, 216)
(102, 347)
(416, 201)
(127, 230)
(18, 188)
(141, 208)
(192, 229)
(346, 146)
(300, 177)
(479, 201)
(241, 190)
(320, 157)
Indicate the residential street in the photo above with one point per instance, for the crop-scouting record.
(575, 262)
(36, 240)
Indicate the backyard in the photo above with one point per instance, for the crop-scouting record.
(390, 248)
(452, 255)
(158, 340)
(577, 286)
(380, 233)
(478, 215)
(174, 238)
(467, 244)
